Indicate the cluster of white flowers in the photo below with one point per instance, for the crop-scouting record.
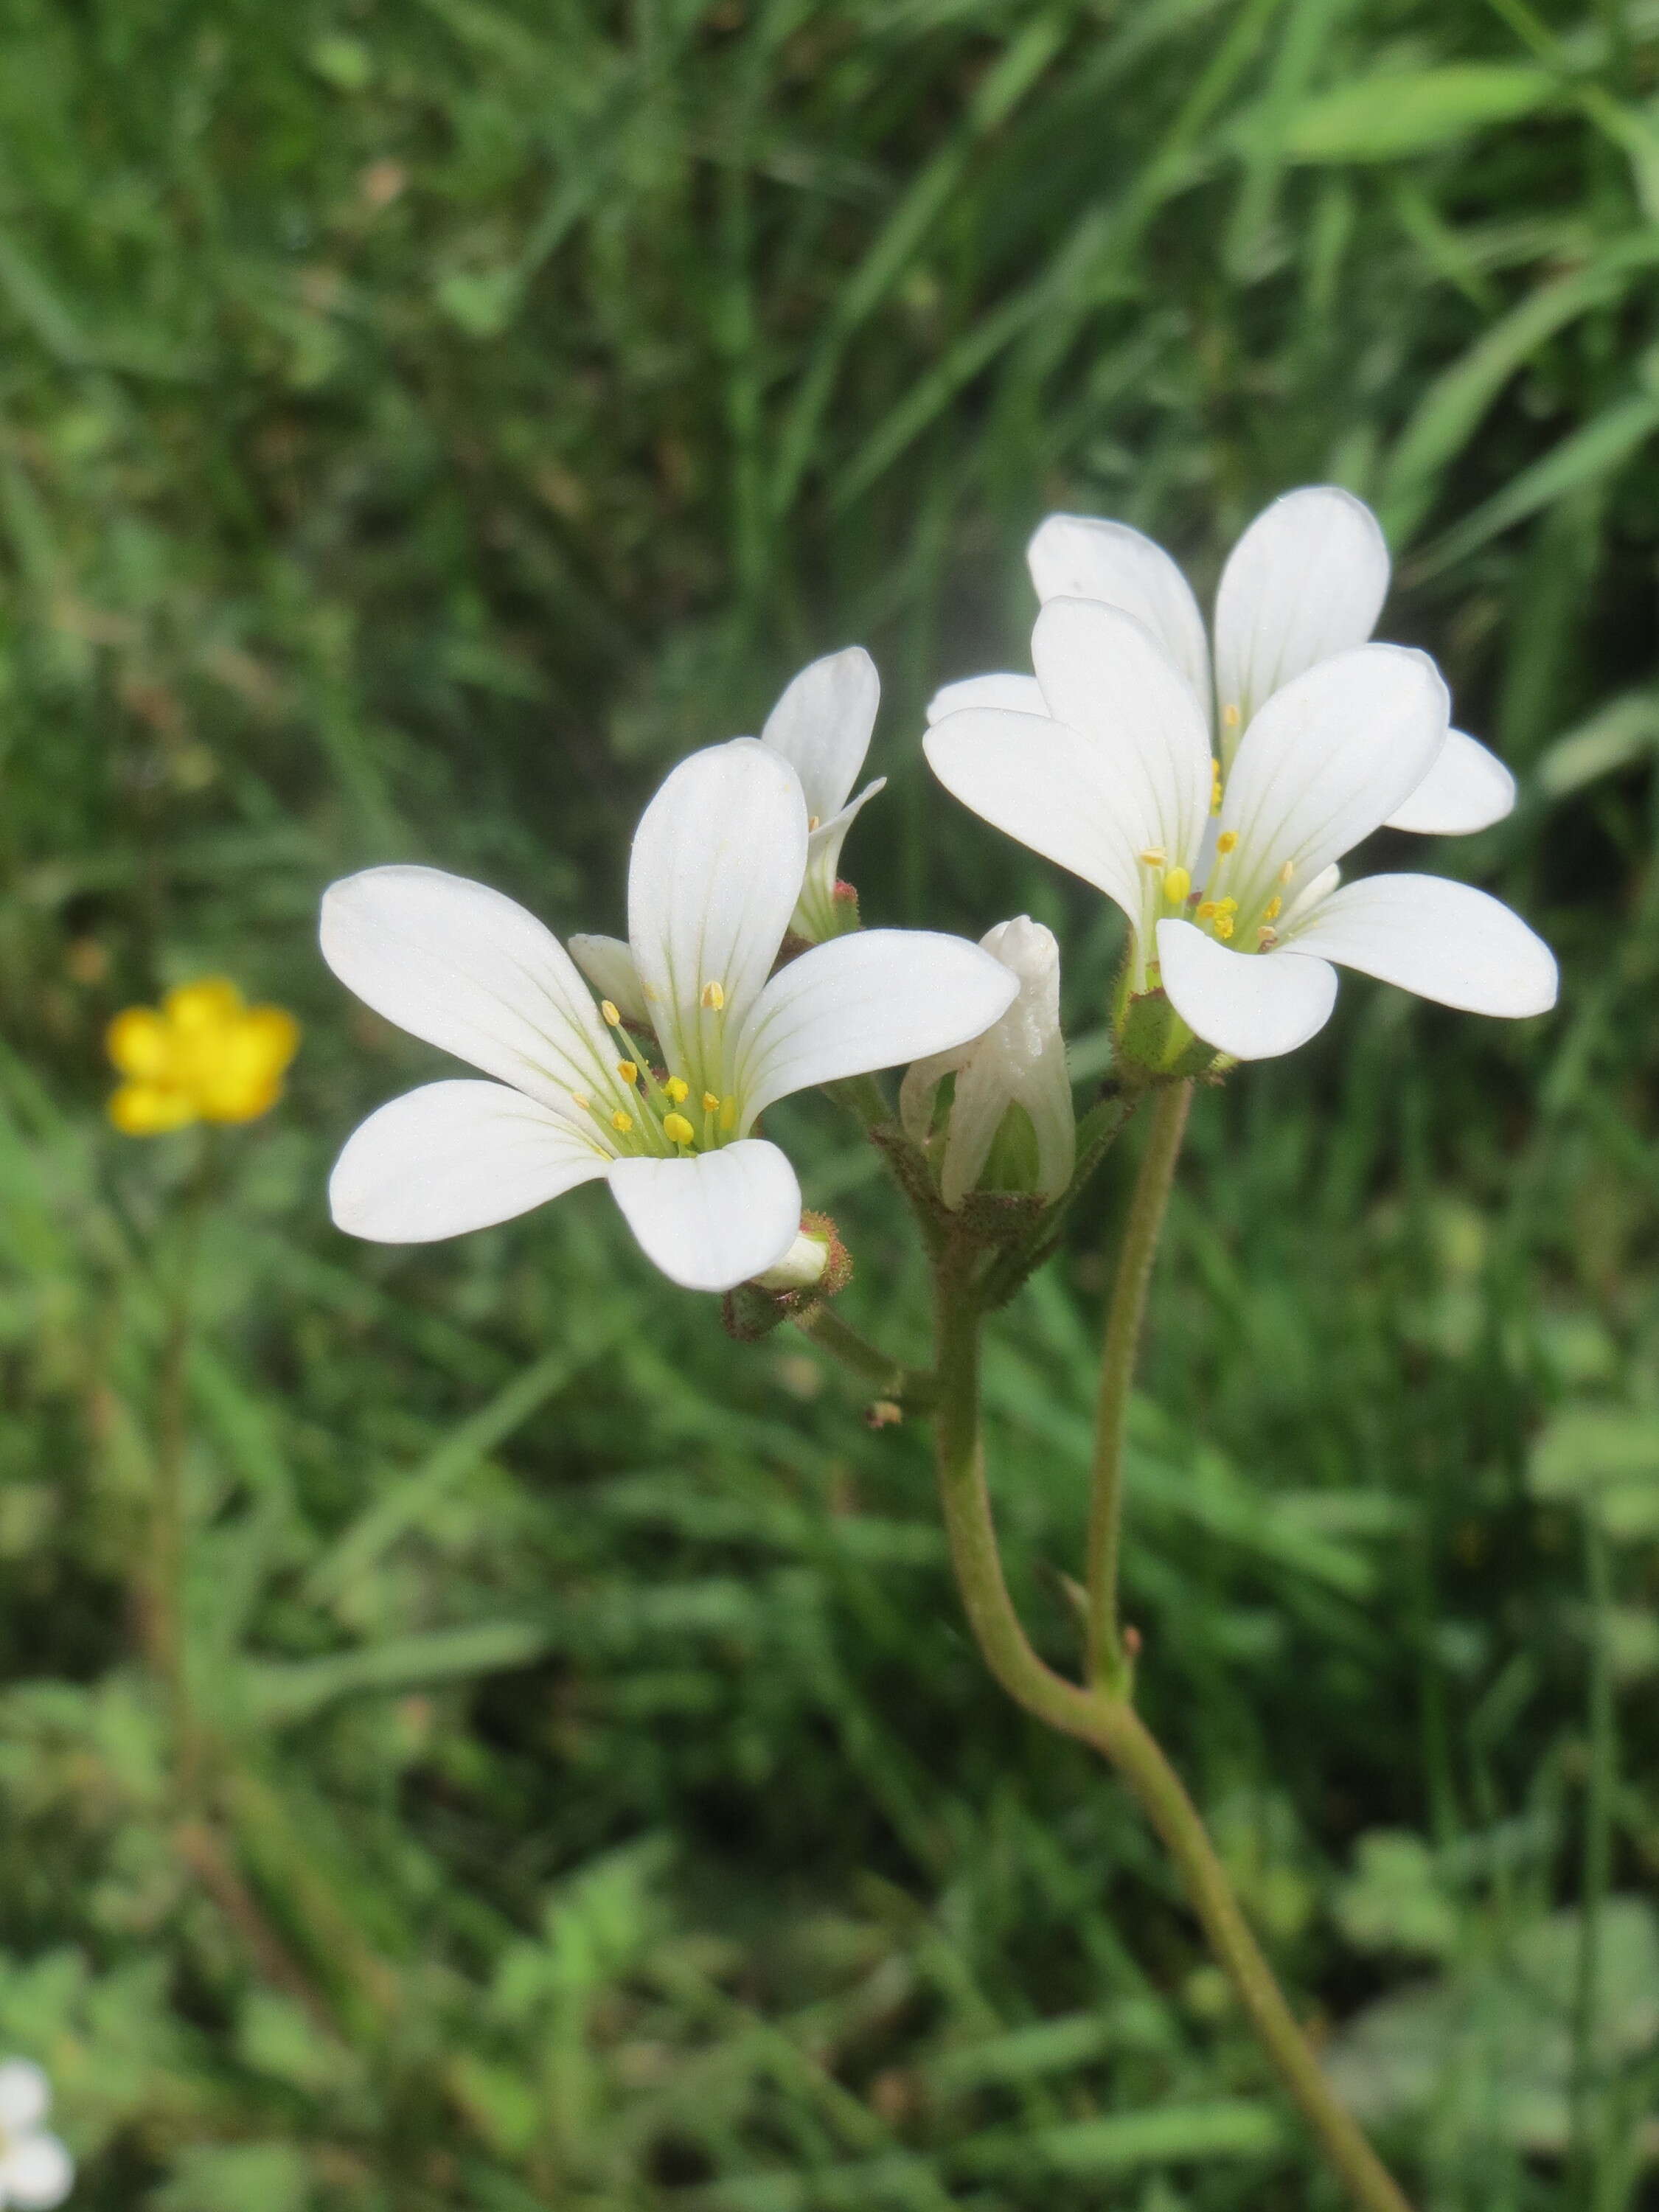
(1213, 808)
(1210, 796)
(36, 2171)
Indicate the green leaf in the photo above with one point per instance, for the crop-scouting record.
(1389, 115)
(1605, 1457)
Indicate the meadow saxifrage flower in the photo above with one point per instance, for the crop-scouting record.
(659, 1090)
(204, 1054)
(1103, 762)
(1015, 1069)
(36, 2171)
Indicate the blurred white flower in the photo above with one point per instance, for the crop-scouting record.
(36, 2171)
(822, 727)
(1306, 580)
(1105, 764)
(665, 1115)
(1019, 1063)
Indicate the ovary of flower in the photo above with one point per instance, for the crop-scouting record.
(1305, 581)
(822, 725)
(36, 2171)
(1019, 1061)
(691, 1004)
(202, 1055)
(1119, 765)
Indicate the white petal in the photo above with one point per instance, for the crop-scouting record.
(609, 966)
(715, 1220)
(1329, 758)
(24, 2096)
(453, 1156)
(1062, 794)
(470, 971)
(36, 2173)
(872, 1000)
(814, 916)
(1445, 940)
(716, 869)
(1103, 673)
(822, 727)
(1308, 579)
(1023, 694)
(1073, 557)
(976, 1112)
(1252, 1004)
(920, 1087)
(1468, 788)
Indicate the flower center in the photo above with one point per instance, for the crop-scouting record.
(648, 1113)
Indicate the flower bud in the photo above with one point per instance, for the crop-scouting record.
(816, 1267)
(1009, 1127)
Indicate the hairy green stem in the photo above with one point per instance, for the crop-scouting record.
(1107, 1660)
(1099, 1716)
(889, 1378)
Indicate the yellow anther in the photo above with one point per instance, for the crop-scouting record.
(651, 993)
(1227, 841)
(581, 1098)
(710, 1103)
(1206, 910)
(678, 1088)
(629, 1069)
(1287, 872)
(621, 1123)
(1177, 882)
(610, 1012)
(1265, 937)
(728, 1114)
(1274, 909)
(812, 823)
(677, 1129)
(1155, 856)
(1224, 926)
(1230, 717)
(1226, 906)
(713, 996)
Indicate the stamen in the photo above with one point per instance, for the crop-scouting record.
(621, 1123)
(1230, 717)
(608, 1009)
(1287, 872)
(713, 996)
(1224, 926)
(1274, 909)
(728, 1115)
(1207, 910)
(581, 1098)
(652, 993)
(1265, 936)
(1155, 856)
(710, 1103)
(1177, 884)
(1226, 906)
(812, 823)
(677, 1129)
(678, 1088)
(628, 1071)
(1227, 841)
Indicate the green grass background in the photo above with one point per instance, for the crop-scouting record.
(423, 421)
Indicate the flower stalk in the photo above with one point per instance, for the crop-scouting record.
(1101, 1716)
(1107, 1663)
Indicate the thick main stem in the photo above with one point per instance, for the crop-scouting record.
(1099, 1716)
(1124, 1315)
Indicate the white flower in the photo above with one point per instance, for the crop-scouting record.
(1306, 580)
(1019, 1061)
(36, 2171)
(822, 727)
(717, 867)
(1115, 780)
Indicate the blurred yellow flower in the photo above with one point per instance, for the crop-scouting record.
(202, 1055)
